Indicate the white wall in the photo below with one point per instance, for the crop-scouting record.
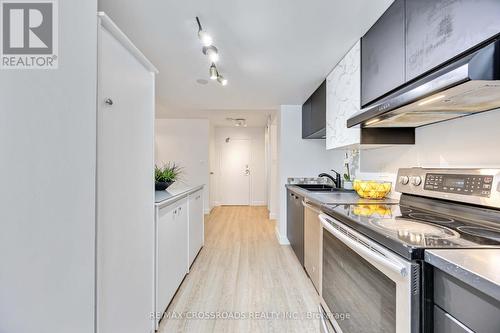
(273, 192)
(299, 157)
(185, 142)
(471, 141)
(258, 192)
(47, 177)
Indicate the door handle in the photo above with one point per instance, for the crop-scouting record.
(361, 249)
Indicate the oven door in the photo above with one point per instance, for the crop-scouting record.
(366, 287)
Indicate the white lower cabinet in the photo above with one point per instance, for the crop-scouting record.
(196, 225)
(172, 254)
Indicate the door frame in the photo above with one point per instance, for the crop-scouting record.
(220, 199)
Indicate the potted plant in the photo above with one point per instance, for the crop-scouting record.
(347, 174)
(166, 175)
(348, 182)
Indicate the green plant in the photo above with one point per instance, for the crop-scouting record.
(170, 172)
(347, 173)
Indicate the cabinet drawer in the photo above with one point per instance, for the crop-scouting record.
(476, 310)
(444, 323)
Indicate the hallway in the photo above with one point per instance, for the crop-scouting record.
(243, 281)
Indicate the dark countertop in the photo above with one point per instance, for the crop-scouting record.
(479, 268)
(336, 198)
(175, 192)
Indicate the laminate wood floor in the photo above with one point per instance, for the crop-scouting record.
(243, 281)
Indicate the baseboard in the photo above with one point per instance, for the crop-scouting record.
(273, 216)
(207, 211)
(258, 203)
(281, 239)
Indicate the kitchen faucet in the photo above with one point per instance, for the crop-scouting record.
(337, 180)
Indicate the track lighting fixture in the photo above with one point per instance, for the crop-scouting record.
(213, 72)
(204, 37)
(211, 52)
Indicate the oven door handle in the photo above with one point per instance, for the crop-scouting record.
(358, 247)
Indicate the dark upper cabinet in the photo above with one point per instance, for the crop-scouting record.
(439, 30)
(383, 54)
(314, 114)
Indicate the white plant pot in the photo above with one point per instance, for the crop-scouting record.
(348, 185)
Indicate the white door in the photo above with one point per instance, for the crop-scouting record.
(125, 190)
(235, 173)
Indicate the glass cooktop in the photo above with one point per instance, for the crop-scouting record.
(408, 230)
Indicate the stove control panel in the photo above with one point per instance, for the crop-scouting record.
(478, 185)
(474, 186)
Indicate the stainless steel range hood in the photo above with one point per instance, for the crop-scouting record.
(466, 86)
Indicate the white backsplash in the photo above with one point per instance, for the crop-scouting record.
(468, 142)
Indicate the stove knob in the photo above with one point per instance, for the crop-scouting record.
(417, 180)
(404, 180)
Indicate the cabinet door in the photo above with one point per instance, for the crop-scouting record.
(306, 118)
(172, 252)
(343, 91)
(196, 230)
(314, 114)
(383, 54)
(181, 222)
(289, 216)
(164, 257)
(312, 246)
(295, 225)
(318, 110)
(438, 30)
(125, 209)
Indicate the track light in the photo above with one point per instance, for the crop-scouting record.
(222, 80)
(213, 72)
(204, 37)
(211, 52)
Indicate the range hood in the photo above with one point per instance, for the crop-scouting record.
(468, 85)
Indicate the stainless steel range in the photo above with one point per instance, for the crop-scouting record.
(372, 254)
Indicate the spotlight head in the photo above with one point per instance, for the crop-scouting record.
(213, 72)
(222, 80)
(211, 52)
(205, 38)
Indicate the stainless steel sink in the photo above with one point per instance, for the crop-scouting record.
(321, 188)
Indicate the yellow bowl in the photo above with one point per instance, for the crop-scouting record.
(371, 189)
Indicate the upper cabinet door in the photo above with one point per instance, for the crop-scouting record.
(318, 115)
(438, 30)
(383, 54)
(314, 114)
(342, 100)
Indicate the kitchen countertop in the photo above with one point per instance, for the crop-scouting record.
(336, 198)
(479, 268)
(175, 192)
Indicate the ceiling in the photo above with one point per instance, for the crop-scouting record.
(272, 52)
